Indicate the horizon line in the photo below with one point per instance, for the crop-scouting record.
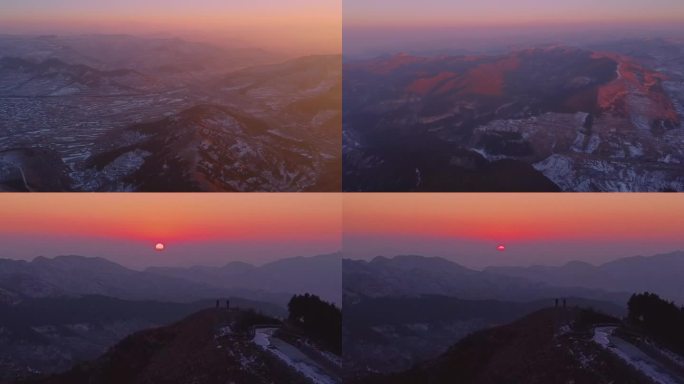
(177, 266)
(524, 266)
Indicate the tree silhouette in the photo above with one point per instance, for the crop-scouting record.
(318, 319)
(660, 318)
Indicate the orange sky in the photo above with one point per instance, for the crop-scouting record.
(217, 228)
(255, 224)
(539, 225)
(516, 216)
(172, 217)
(445, 13)
(377, 27)
(302, 25)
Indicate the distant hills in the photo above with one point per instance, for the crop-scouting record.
(53, 77)
(661, 274)
(163, 55)
(320, 275)
(411, 275)
(76, 276)
(418, 275)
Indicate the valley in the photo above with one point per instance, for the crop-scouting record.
(601, 118)
(211, 346)
(549, 345)
(61, 312)
(217, 119)
(403, 314)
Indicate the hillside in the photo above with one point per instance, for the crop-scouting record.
(132, 113)
(210, 346)
(49, 335)
(539, 348)
(542, 118)
(390, 334)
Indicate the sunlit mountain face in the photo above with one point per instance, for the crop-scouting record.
(161, 108)
(597, 117)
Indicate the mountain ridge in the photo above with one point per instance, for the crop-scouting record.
(382, 277)
(657, 273)
(539, 119)
(203, 347)
(533, 349)
(79, 275)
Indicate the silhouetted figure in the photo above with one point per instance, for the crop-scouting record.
(217, 304)
(556, 302)
(228, 305)
(563, 303)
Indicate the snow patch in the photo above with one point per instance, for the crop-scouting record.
(223, 331)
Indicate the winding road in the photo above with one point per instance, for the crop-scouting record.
(634, 356)
(292, 356)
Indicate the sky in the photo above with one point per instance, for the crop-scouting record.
(382, 26)
(214, 229)
(197, 229)
(270, 24)
(536, 229)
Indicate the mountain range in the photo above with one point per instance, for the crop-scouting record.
(129, 113)
(76, 276)
(320, 275)
(151, 54)
(660, 274)
(540, 119)
(613, 281)
(417, 275)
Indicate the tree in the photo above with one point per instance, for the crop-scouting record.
(660, 318)
(318, 319)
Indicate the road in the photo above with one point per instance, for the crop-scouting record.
(634, 356)
(292, 356)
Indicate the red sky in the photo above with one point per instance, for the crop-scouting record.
(196, 228)
(536, 228)
(218, 228)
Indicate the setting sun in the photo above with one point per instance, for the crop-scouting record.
(159, 247)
